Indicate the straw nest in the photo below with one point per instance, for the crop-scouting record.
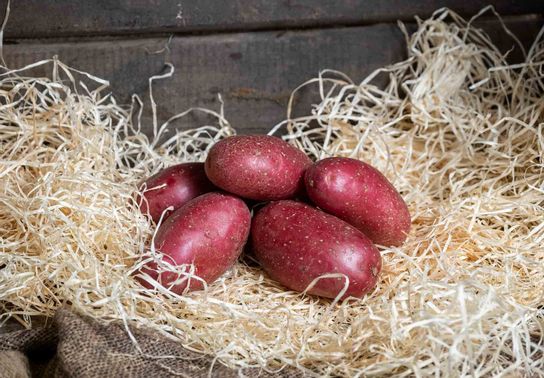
(457, 130)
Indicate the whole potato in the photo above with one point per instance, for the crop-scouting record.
(295, 243)
(173, 186)
(208, 232)
(258, 167)
(359, 194)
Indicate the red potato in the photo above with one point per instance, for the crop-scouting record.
(295, 243)
(209, 232)
(359, 194)
(258, 167)
(174, 186)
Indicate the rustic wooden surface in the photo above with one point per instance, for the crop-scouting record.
(254, 71)
(39, 18)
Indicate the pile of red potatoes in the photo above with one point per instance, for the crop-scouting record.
(311, 219)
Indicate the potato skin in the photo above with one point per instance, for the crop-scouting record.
(257, 167)
(209, 231)
(359, 194)
(183, 182)
(295, 243)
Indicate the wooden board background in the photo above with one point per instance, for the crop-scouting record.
(39, 18)
(252, 52)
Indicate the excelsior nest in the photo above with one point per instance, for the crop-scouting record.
(458, 131)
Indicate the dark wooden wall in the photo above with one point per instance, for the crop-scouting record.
(252, 52)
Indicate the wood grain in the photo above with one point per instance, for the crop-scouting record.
(254, 72)
(69, 18)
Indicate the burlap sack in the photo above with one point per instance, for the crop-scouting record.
(75, 346)
(14, 365)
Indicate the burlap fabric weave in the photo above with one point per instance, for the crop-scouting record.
(76, 346)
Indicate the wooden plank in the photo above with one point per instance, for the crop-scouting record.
(254, 72)
(58, 18)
